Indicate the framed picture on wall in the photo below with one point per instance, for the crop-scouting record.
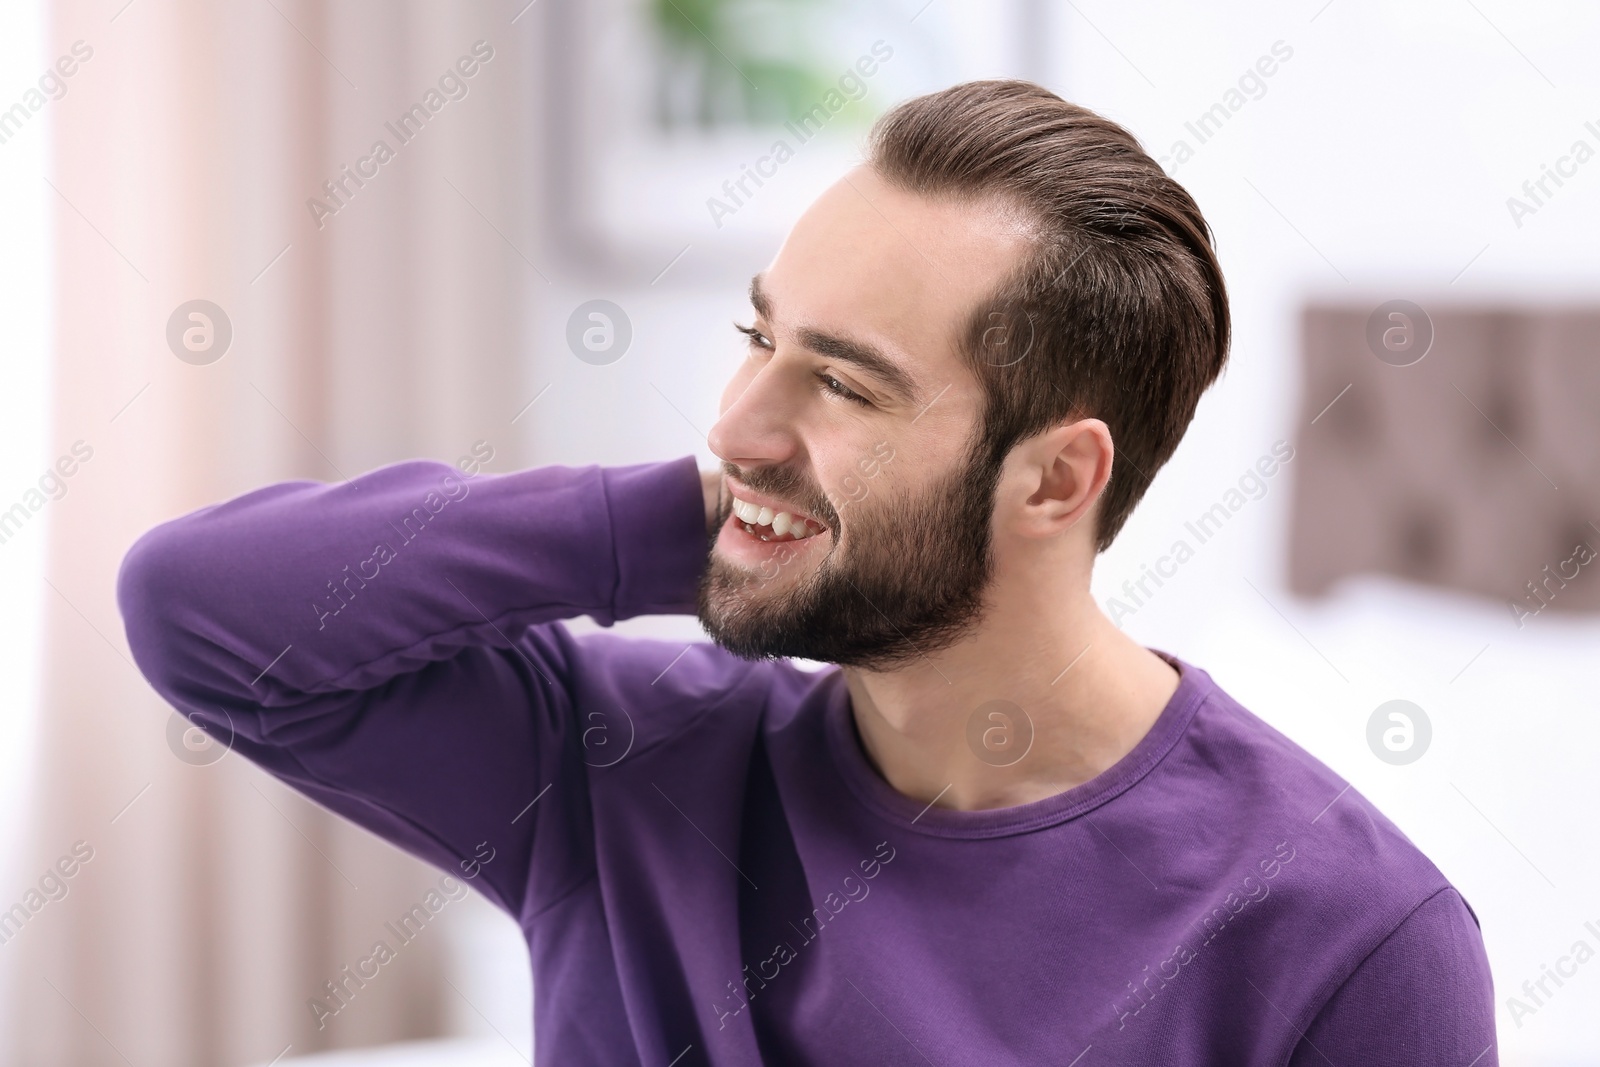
(684, 135)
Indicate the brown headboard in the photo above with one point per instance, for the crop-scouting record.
(1475, 467)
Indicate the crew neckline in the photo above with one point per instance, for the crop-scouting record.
(870, 788)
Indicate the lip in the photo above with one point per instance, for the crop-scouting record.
(738, 489)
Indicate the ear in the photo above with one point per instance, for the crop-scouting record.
(1055, 478)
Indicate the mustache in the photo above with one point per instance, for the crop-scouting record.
(786, 483)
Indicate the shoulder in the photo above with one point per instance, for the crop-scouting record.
(1424, 995)
(1267, 781)
(1341, 877)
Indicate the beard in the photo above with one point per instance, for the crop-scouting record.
(909, 582)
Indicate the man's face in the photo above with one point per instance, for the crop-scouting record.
(850, 423)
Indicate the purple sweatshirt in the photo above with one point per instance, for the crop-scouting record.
(706, 867)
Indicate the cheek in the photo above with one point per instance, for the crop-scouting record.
(849, 471)
(849, 486)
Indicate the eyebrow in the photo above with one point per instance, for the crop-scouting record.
(845, 350)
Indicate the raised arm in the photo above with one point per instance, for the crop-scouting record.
(387, 646)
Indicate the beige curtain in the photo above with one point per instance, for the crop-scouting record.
(217, 902)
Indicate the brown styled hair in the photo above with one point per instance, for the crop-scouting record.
(1118, 312)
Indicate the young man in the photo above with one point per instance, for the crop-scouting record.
(998, 831)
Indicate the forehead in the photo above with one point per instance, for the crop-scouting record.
(896, 269)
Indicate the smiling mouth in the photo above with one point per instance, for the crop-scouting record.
(767, 525)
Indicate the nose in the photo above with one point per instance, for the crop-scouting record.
(756, 428)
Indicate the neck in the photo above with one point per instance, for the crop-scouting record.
(954, 727)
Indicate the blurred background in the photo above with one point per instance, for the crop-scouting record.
(278, 239)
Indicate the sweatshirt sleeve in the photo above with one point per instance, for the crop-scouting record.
(1423, 998)
(389, 645)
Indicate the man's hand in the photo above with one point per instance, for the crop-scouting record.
(712, 483)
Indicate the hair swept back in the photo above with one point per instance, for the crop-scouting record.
(1117, 312)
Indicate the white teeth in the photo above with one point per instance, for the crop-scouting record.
(782, 522)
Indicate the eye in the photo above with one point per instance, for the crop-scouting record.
(839, 389)
(830, 384)
(757, 338)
